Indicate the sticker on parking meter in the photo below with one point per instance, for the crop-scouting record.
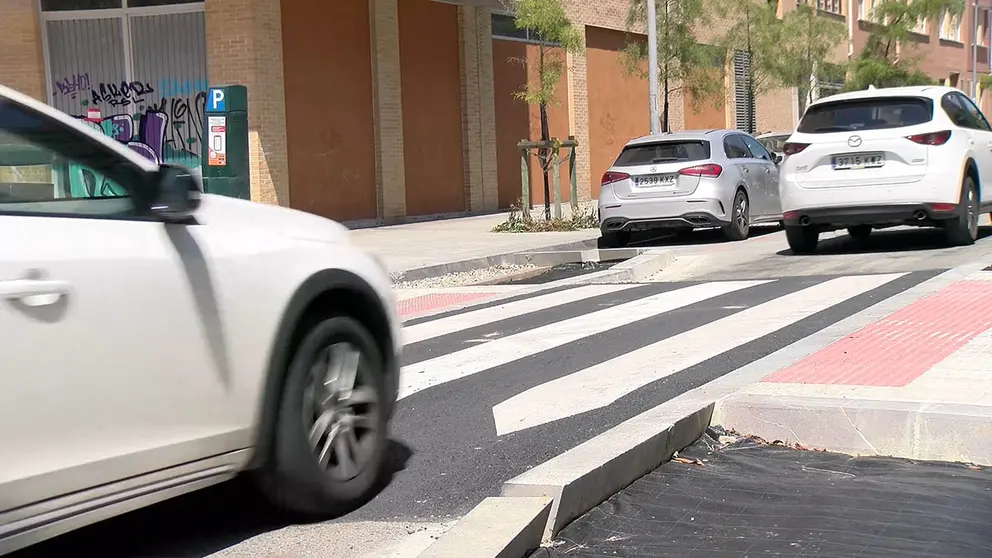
(217, 141)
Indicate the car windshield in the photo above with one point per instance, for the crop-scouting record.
(774, 143)
(664, 152)
(866, 114)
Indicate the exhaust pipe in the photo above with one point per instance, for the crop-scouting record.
(804, 221)
(920, 215)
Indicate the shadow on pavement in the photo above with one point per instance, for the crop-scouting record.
(194, 525)
(882, 241)
(695, 238)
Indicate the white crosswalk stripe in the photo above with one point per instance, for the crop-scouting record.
(571, 390)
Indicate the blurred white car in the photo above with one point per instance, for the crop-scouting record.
(157, 340)
(878, 158)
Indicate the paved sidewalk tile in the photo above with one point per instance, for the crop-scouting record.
(435, 301)
(900, 348)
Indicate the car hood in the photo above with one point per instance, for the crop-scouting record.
(225, 211)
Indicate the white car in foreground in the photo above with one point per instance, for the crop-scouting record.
(887, 157)
(157, 340)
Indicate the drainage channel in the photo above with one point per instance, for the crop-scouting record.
(564, 271)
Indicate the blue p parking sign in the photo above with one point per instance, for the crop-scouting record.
(215, 100)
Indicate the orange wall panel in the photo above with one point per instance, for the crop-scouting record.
(432, 107)
(711, 113)
(618, 103)
(329, 129)
(514, 66)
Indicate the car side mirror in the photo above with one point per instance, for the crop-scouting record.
(177, 193)
(777, 158)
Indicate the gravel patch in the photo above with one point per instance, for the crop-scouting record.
(464, 278)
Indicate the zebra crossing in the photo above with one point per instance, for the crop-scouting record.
(490, 390)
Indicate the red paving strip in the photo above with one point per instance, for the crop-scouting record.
(435, 301)
(899, 348)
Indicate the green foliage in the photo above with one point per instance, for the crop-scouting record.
(517, 222)
(684, 64)
(894, 20)
(806, 42)
(546, 19)
(756, 30)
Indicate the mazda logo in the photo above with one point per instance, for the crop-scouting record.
(854, 141)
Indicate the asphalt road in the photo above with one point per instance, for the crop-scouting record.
(447, 454)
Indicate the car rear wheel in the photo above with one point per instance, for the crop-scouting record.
(740, 224)
(962, 230)
(332, 429)
(802, 240)
(859, 232)
(618, 239)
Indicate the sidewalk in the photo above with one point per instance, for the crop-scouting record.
(432, 243)
(915, 384)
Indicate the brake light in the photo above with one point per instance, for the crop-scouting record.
(933, 138)
(710, 170)
(943, 206)
(609, 177)
(793, 148)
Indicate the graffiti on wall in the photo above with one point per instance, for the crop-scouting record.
(166, 130)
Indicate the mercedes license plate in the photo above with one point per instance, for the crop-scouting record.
(656, 180)
(859, 161)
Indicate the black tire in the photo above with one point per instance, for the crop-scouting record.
(292, 478)
(740, 218)
(802, 240)
(859, 233)
(618, 239)
(962, 230)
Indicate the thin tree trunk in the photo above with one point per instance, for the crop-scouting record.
(543, 155)
(664, 110)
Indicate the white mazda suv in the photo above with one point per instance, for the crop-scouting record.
(157, 340)
(888, 157)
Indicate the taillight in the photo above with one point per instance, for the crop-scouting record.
(793, 148)
(609, 177)
(711, 170)
(943, 206)
(933, 138)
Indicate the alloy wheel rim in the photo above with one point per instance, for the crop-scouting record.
(742, 221)
(340, 407)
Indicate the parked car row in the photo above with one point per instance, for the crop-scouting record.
(864, 160)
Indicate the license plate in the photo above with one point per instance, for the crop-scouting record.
(656, 180)
(860, 161)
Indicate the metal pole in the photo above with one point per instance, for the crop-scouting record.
(974, 53)
(653, 65)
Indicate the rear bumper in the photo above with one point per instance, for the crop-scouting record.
(875, 215)
(643, 214)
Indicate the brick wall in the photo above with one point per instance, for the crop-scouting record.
(390, 174)
(244, 46)
(21, 62)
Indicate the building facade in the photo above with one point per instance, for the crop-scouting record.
(381, 110)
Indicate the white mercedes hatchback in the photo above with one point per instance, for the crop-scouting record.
(157, 340)
(879, 158)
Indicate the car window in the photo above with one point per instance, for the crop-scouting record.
(49, 168)
(735, 148)
(975, 116)
(663, 152)
(866, 114)
(756, 148)
(773, 143)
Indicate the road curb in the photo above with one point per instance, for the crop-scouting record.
(506, 258)
(634, 270)
(496, 528)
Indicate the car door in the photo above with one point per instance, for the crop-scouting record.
(982, 132)
(751, 170)
(114, 359)
(769, 173)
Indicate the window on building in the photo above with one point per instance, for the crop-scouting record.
(865, 8)
(504, 27)
(950, 26)
(983, 27)
(743, 108)
(835, 7)
(138, 74)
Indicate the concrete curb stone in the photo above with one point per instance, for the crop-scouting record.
(507, 258)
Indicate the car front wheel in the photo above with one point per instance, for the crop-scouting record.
(332, 430)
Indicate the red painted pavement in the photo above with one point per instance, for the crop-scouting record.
(435, 301)
(899, 348)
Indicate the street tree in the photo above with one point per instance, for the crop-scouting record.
(808, 38)
(754, 39)
(684, 64)
(887, 59)
(548, 23)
